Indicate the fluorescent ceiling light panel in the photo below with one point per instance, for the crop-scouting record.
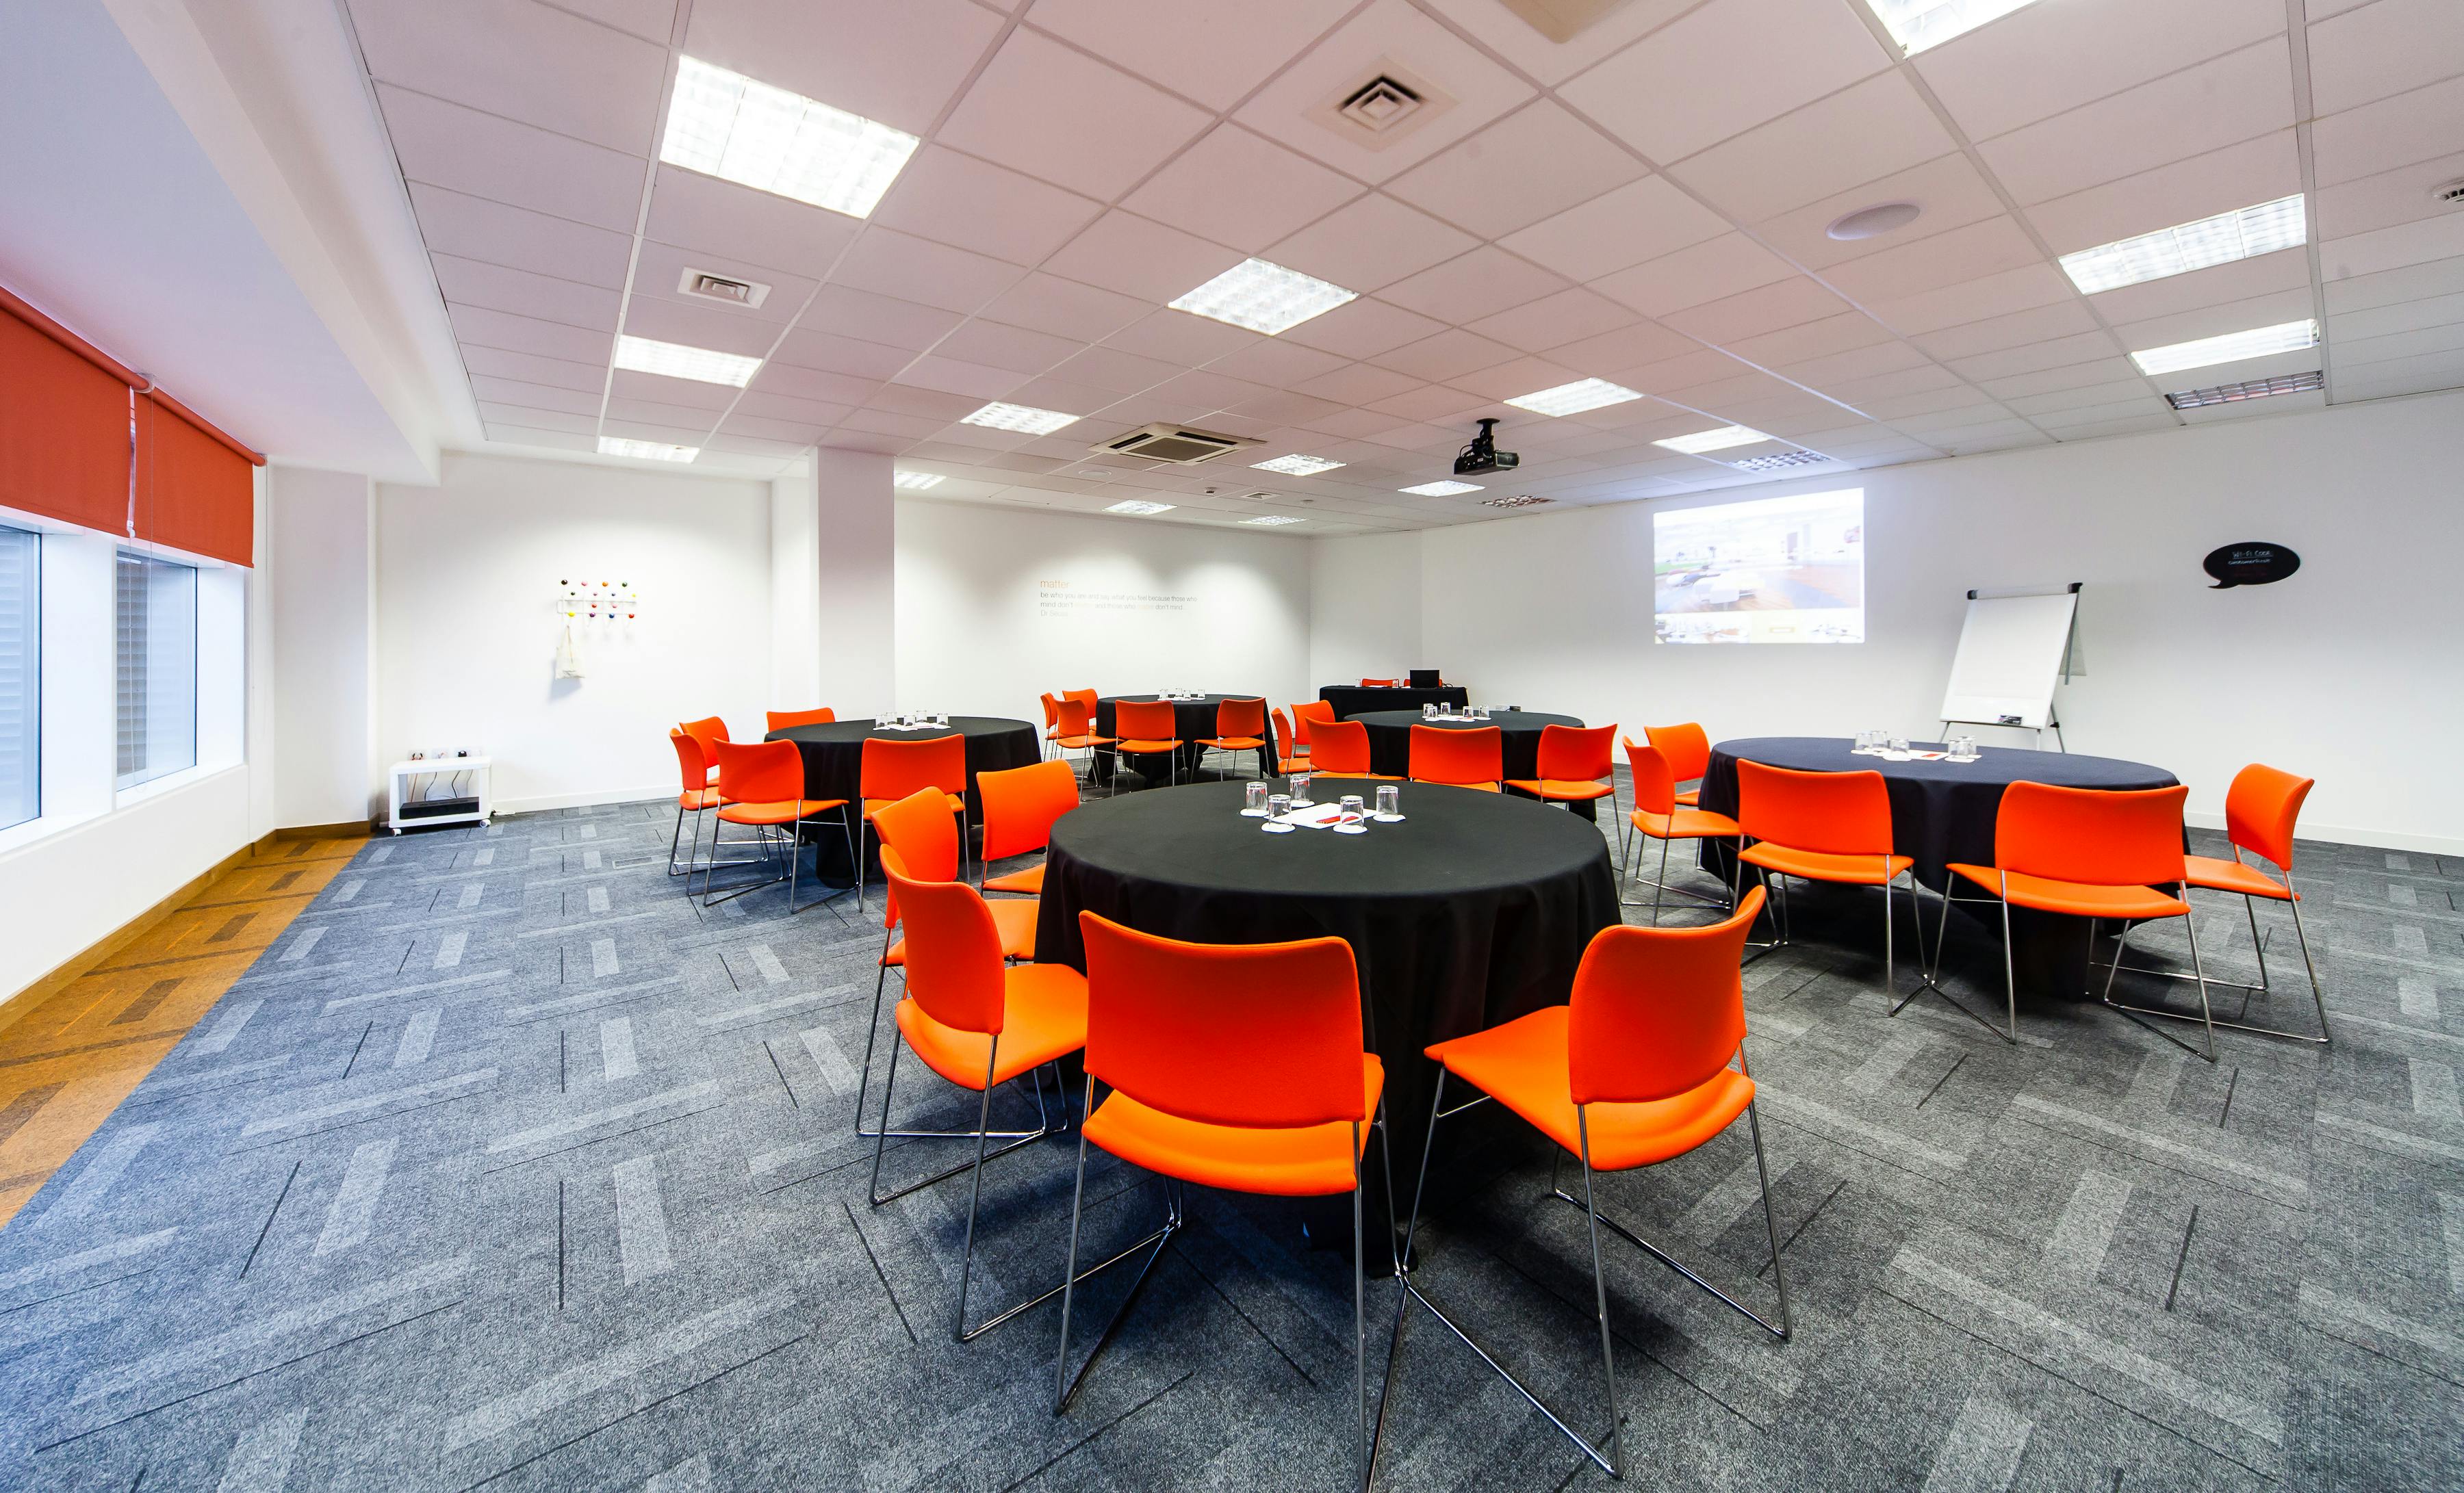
(647, 451)
(1025, 419)
(1135, 505)
(727, 126)
(676, 360)
(1918, 24)
(2184, 247)
(1269, 521)
(1572, 399)
(1718, 440)
(1297, 465)
(2256, 388)
(2287, 336)
(1440, 488)
(1264, 298)
(916, 481)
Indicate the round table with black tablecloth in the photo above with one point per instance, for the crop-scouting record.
(834, 766)
(1192, 721)
(1473, 910)
(1353, 700)
(1941, 812)
(1390, 741)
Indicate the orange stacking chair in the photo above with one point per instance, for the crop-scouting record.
(1239, 726)
(1689, 752)
(781, 720)
(694, 795)
(2261, 810)
(1020, 806)
(1659, 816)
(707, 732)
(1290, 751)
(893, 770)
(979, 1024)
(925, 834)
(1470, 759)
(1573, 759)
(763, 784)
(1086, 697)
(2087, 852)
(1307, 715)
(1632, 1071)
(1238, 1066)
(1051, 723)
(1078, 733)
(1145, 727)
(1379, 684)
(1820, 826)
(1340, 749)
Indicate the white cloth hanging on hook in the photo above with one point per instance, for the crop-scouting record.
(569, 657)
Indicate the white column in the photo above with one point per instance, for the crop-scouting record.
(856, 580)
(322, 538)
(796, 595)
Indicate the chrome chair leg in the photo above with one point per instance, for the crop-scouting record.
(2206, 1015)
(1064, 1386)
(1931, 979)
(2250, 907)
(1600, 1295)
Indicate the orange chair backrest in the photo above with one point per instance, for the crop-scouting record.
(1144, 721)
(2095, 836)
(693, 768)
(1378, 684)
(1086, 697)
(1286, 743)
(1476, 754)
(781, 720)
(1657, 1011)
(1568, 753)
(921, 828)
(2261, 809)
(1830, 813)
(897, 769)
(1687, 748)
(1258, 1035)
(760, 772)
(1077, 718)
(707, 731)
(1021, 804)
(953, 950)
(1655, 786)
(1051, 713)
(1306, 717)
(1234, 718)
(1340, 746)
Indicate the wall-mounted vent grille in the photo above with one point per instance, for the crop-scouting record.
(1780, 461)
(1382, 105)
(1518, 500)
(1172, 443)
(2256, 388)
(703, 285)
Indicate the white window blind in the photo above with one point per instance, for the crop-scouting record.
(156, 698)
(21, 691)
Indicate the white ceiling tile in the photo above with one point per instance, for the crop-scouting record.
(2004, 293)
(1707, 272)
(1917, 380)
(534, 396)
(929, 404)
(2386, 48)
(688, 423)
(1153, 39)
(1572, 314)
(2256, 170)
(2393, 247)
(537, 417)
(699, 326)
(2389, 198)
(872, 317)
(2356, 355)
(1288, 408)
(2048, 58)
(1446, 355)
(483, 155)
(2115, 369)
(1513, 381)
(529, 335)
(956, 199)
(1680, 89)
(1949, 190)
(1275, 360)
(2391, 132)
(1346, 423)
(2035, 357)
(521, 61)
(1768, 308)
(1369, 243)
(796, 433)
(2233, 315)
(2042, 323)
(1064, 308)
(1626, 347)
(1847, 332)
(1361, 328)
(1554, 61)
(651, 20)
(1130, 255)
(779, 406)
(2231, 98)
(661, 269)
(1052, 111)
(512, 433)
(1358, 384)
(2134, 427)
(890, 263)
(675, 397)
(956, 376)
(1434, 403)
(1824, 372)
(1981, 249)
(814, 384)
(532, 368)
(1480, 283)
(1874, 129)
(2090, 396)
(2389, 287)
(1051, 393)
(883, 422)
(1691, 371)
(998, 347)
(495, 288)
(1111, 368)
(1487, 182)
(1238, 187)
(896, 63)
(2402, 376)
(2286, 270)
(492, 232)
(704, 213)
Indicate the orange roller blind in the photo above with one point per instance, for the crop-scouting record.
(194, 490)
(63, 424)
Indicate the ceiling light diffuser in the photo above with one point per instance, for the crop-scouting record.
(2287, 336)
(1269, 521)
(647, 451)
(727, 126)
(1440, 488)
(2256, 388)
(1025, 419)
(1134, 506)
(1297, 465)
(916, 481)
(1718, 440)
(2184, 247)
(1572, 399)
(1918, 24)
(676, 360)
(1264, 298)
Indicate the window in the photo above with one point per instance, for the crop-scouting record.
(21, 684)
(157, 697)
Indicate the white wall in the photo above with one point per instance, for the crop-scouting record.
(2349, 671)
(467, 634)
(855, 544)
(1365, 619)
(323, 584)
(996, 605)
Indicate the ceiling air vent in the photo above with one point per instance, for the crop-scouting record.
(1780, 461)
(1170, 443)
(1382, 106)
(706, 286)
(1518, 500)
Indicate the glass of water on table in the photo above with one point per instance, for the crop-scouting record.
(1300, 790)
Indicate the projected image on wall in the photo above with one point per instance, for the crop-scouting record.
(1772, 570)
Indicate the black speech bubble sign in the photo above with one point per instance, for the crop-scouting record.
(2251, 562)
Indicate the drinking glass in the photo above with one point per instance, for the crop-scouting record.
(1429, 710)
(1349, 815)
(1299, 786)
(1899, 743)
(1390, 802)
(1253, 799)
(1278, 806)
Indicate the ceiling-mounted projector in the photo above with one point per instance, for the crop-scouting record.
(1483, 455)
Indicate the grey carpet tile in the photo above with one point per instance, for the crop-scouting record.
(512, 1166)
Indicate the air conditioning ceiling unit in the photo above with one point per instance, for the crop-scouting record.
(1170, 443)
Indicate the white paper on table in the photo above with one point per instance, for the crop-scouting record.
(1320, 816)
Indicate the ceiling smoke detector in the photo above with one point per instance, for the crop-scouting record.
(1379, 108)
(703, 285)
(1874, 222)
(1170, 443)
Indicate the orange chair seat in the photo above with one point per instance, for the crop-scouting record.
(2079, 899)
(699, 799)
(1576, 788)
(1016, 923)
(1232, 743)
(1856, 871)
(1476, 787)
(1328, 773)
(873, 807)
(1309, 1161)
(1029, 880)
(1685, 824)
(1044, 1017)
(784, 812)
(1523, 1065)
(1137, 744)
(2206, 870)
(1082, 743)
(1690, 797)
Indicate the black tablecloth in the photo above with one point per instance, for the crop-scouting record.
(1390, 741)
(1353, 699)
(1473, 910)
(1192, 721)
(834, 766)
